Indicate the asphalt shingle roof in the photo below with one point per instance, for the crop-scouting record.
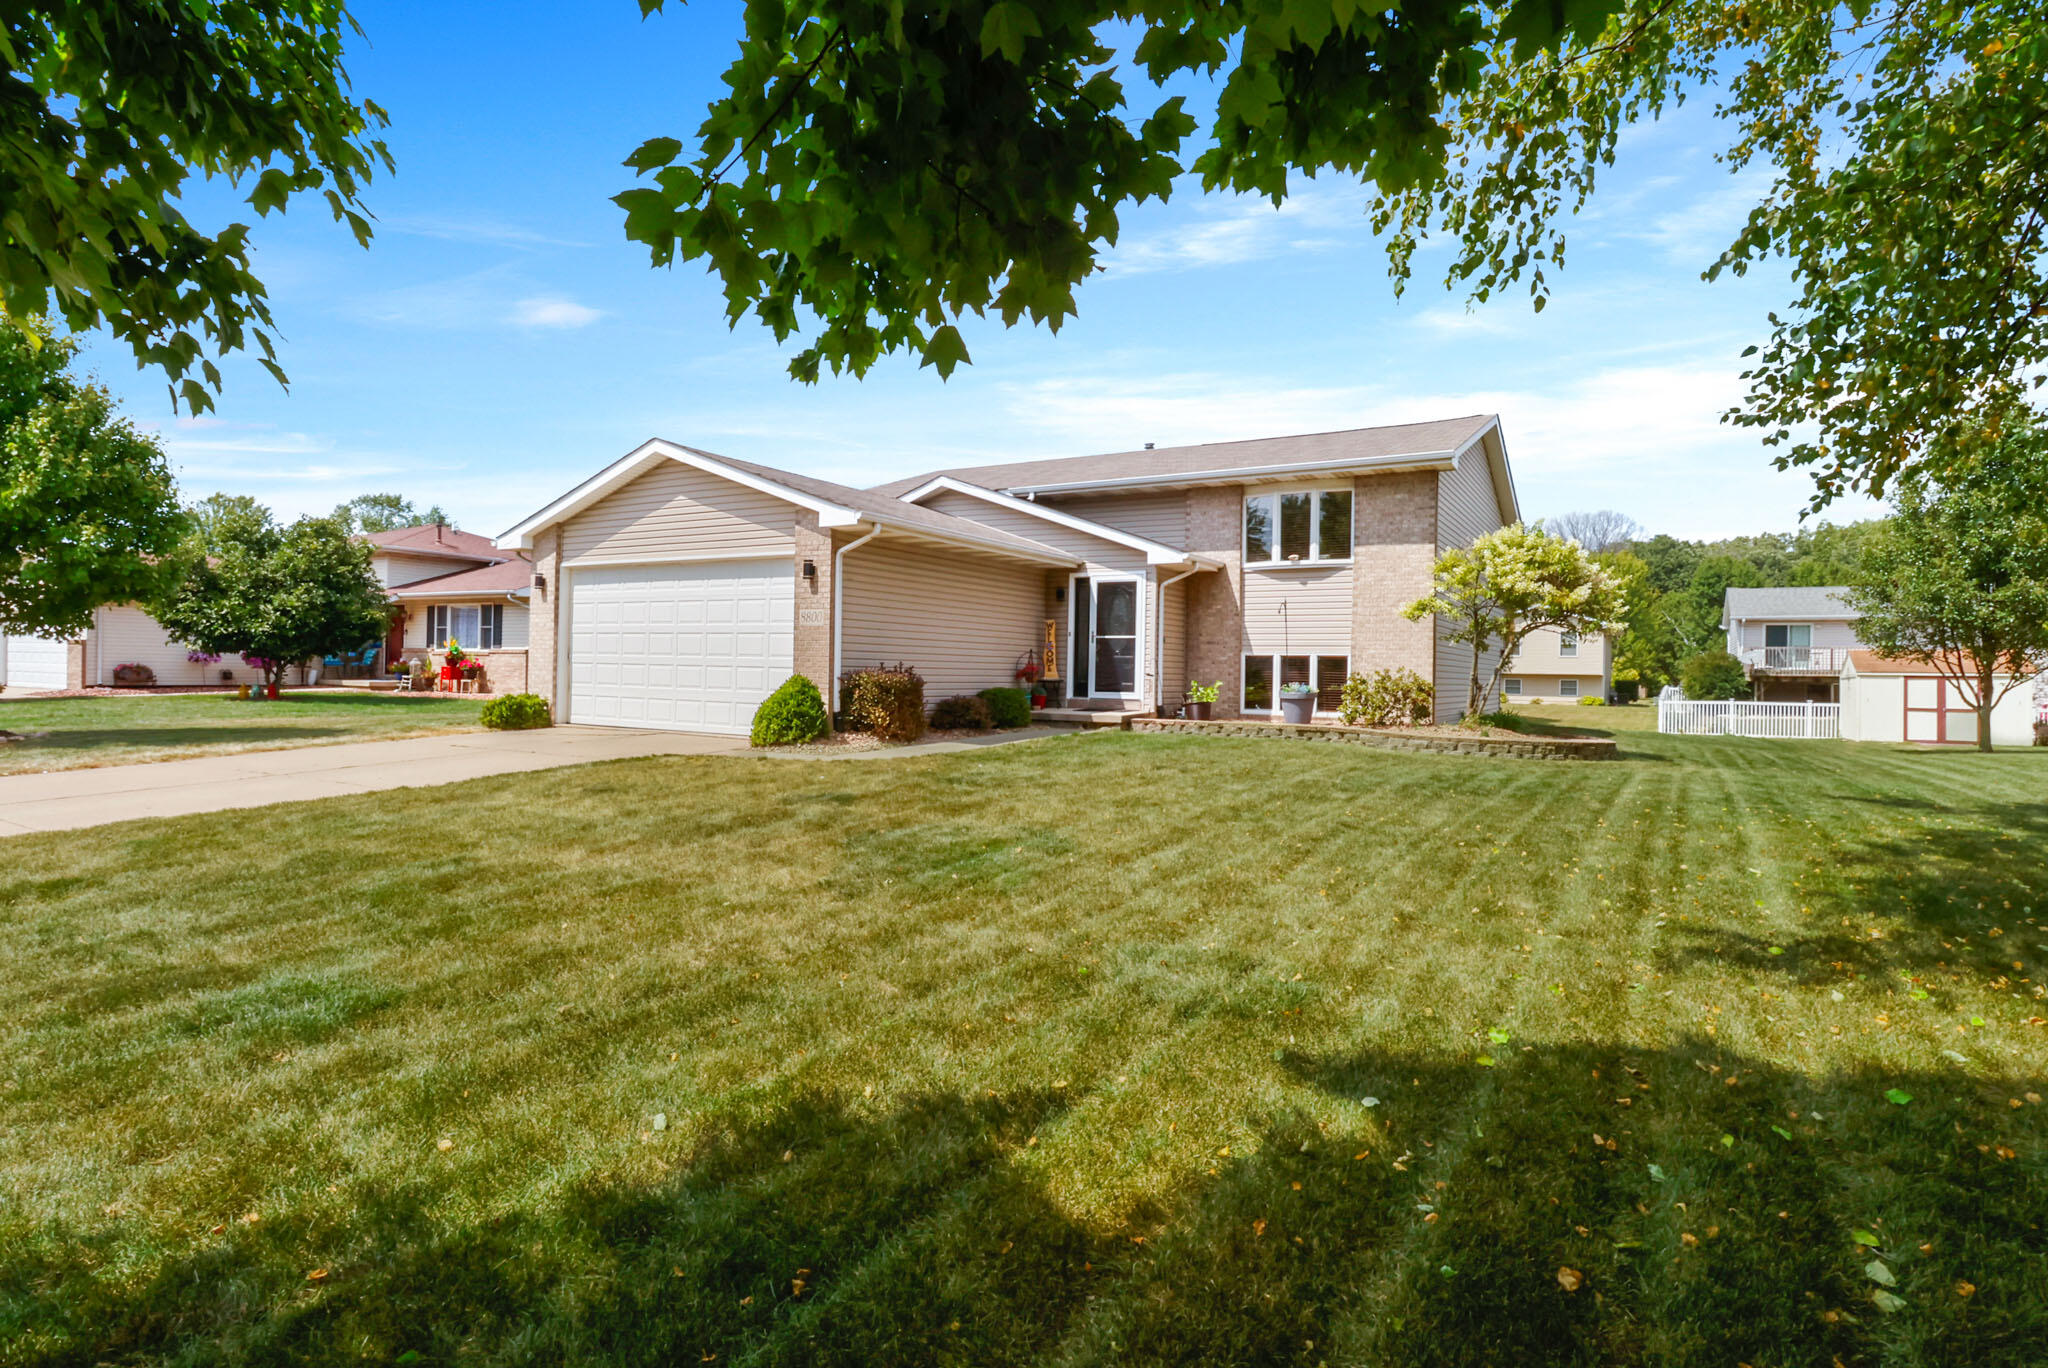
(1788, 601)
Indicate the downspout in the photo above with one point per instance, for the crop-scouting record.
(1159, 637)
(839, 601)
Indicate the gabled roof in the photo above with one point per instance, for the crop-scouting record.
(836, 505)
(1435, 444)
(500, 578)
(1786, 601)
(1945, 662)
(435, 539)
(1156, 553)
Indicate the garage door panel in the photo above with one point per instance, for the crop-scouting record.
(694, 647)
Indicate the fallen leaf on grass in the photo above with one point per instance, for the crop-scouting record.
(1898, 1097)
(1877, 1272)
(1886, 1302)
(1864, 1237)
(444, 1144)
(317, 1275)
(1258, 1227)
(1570, 1279)
(1964, 1289)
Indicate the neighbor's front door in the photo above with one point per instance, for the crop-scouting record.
(1105, 632)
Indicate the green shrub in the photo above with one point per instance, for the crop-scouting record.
(1007, 707)
(1592, 701)
(1713, 674)
(961, 713)
(887, 700)
(792, 715)
(1387, 698)
(517, 712)
(1507, 719)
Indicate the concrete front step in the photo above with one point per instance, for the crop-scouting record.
(1088, 717)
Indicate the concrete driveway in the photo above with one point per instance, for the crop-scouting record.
(68, 799)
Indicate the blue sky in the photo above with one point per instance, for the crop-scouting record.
(501, 339)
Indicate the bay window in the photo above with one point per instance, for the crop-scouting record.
(1305, 528)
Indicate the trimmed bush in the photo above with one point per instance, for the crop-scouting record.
(793, 714)
(1507, 719)
(517, 712)
(1589, 701)
(961, 713)
(1387, 698)
(1713, 674)
(887, 701)
(1008, 707)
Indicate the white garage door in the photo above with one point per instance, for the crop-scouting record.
(691, 647)
(28, 662)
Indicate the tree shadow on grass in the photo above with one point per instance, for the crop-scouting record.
(1711, 1218)
(159, 738)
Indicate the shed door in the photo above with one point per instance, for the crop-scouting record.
(692, 647)
(1937, 712)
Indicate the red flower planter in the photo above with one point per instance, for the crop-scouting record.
(448, 672)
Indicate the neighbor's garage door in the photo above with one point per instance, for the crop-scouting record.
(28, 662)
(691, 647)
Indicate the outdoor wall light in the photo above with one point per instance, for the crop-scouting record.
(1059, 593)
(540, 582)
(811, 573)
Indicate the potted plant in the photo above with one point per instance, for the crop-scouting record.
(1027, 671)
(1201, 697)
(134, 676)
(451, 664)
(1297, 704)
(1038, 699)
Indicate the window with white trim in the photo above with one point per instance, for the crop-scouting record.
(1311, 527)
(1567, 643)
(1263, 674)
(472, 626)
(1567, 688)
(1511, 687)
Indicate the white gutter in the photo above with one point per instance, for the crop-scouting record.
(1159, 636)
(839, 600)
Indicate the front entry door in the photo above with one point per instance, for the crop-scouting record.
(1106, 635)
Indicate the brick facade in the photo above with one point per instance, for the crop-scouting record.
(1216, 598)
(543, 618)
(1393, 551)
(813, 654)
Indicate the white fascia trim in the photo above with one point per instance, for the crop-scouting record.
(678, 558)
(1156, 553)
(644, 458)
(452, 595)
(1420, 460)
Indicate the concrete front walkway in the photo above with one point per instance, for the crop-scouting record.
(68, 799)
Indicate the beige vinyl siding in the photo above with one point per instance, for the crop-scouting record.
(1085, 546)
(1834, 633)
(395, 568)
(1298, 612)
(959, 619)
(678, 510)
(1543, 688)
(1173, 664)
(1542, 653)
(1161, 515)
(1467, 508)
(125, 635)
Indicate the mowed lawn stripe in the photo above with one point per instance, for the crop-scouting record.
(1055, 1053)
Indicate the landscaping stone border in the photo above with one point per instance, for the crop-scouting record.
(1520, 747)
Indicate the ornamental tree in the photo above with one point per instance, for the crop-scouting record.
(111, 106)
(88, 509)
(1958, 578)
(282, 595)
(1513, 581)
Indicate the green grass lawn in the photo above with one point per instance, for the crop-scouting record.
(78, 733)
(1095, 1050)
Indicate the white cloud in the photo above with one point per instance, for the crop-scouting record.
(1225, 231)
(481, 228)
(553, 311)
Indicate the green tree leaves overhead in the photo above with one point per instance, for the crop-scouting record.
(880, 171)
(1907, 146)
(88, 510)
(383, 512)
(111, 107)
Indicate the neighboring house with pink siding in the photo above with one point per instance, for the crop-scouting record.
(676, 588)
(1555, 666)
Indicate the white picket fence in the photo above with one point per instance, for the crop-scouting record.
(1678, 715)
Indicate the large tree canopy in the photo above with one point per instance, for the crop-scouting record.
(88, 509)
(107, 107)
(880, 170)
